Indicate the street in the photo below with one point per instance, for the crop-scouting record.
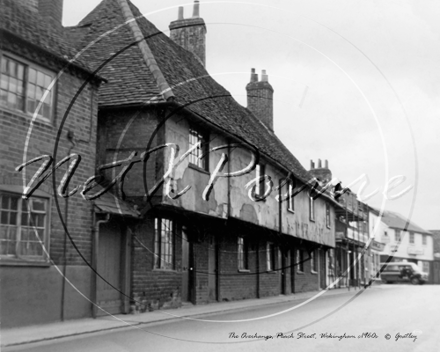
(355, 321)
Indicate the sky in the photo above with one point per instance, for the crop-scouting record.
(356, 82)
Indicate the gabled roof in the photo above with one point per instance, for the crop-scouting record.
(397, 221)
(21, 22)
(158, 70)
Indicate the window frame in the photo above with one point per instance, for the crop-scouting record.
(23, 259)
(424, 240)
(300, 261)
(201, 136)
(412, 238)
(327, 215)
(311, 208)
(24, 110)
(291, 198)
(242, 254)
(158, 262)
(271, 263)
(313, 262)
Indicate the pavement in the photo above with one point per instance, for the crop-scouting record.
(58, 330)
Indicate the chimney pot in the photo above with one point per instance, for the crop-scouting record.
(196, 10)
(312, 165)
(191, 37)
(264, 76)
(326, 163)
(319, 164)
(254, 76)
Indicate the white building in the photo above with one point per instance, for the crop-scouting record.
(400, 238)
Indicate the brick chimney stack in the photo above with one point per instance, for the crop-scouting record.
(321, 172)
(260, 98)
(52, 10)
(190, 33)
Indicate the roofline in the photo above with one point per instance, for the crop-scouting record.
(147, 54)
(58, 57)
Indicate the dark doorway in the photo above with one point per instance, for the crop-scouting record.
(187, 268)
(292, 269)
(284, 257)
(322, 268)
(213, 258)
(110, 267)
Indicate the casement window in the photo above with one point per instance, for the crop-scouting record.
(313, 260)
(411, 237)
(424, 240)
(23, 87)
(290, 199)
(327, 215)
(164, 243)
(23, 227)
(199, 155)
(299, 260)
(398, 235)
(311, 208)
(243, 254)
(270, 256)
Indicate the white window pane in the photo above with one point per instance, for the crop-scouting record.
(32, 75)
(40, 79)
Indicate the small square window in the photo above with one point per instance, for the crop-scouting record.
(199, 155)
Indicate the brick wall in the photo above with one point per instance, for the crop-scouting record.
(158, 288)
(122, 132)
(14, 126)
(235, 284)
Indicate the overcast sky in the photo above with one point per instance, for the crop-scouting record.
(356, 82)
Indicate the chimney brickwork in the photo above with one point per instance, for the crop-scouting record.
(190, 33)
(52, 10)
(320, 172)
(260, 98)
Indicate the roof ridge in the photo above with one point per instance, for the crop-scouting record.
(146, 52)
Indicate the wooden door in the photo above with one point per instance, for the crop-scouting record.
(187, 268)
(109, 267)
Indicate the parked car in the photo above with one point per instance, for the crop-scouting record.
(402, 272)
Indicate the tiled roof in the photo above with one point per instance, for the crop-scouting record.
(131, 81)
(107, 34)
(28, 25)
(397, 221)
(109, 203)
